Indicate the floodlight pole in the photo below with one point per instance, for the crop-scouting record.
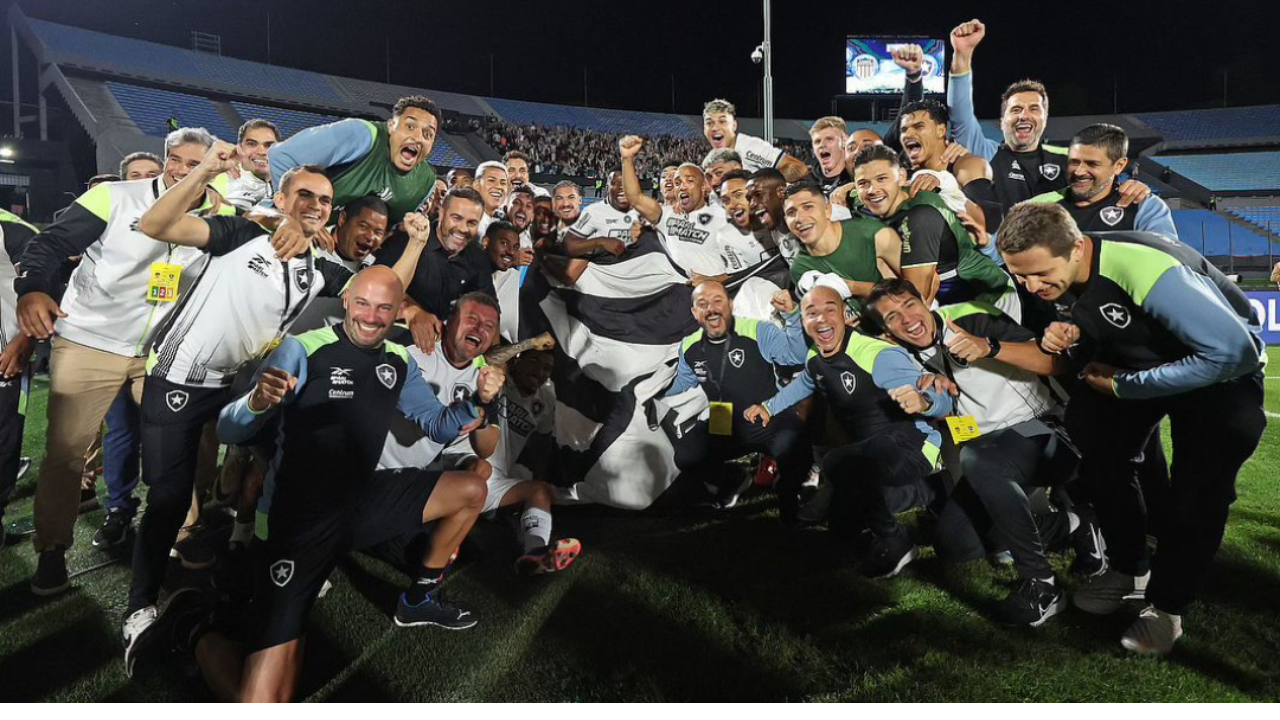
(767, 47)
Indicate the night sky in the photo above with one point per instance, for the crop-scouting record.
(1173, 59)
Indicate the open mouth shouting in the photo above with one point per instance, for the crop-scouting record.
(915, 150)
(915, 330)
(474, 343)
(717, 140)
(685, 200)
(1024, 132)
(739, 216)
(409, 154)
(825, 336)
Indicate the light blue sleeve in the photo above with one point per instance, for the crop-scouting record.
(442, 423)
(329, 145)
(1154, 216)
(783, 347)
(1194, 310)
(894, 368)
(800, 388)
(964, 123)
(237, 424)
(685, 379)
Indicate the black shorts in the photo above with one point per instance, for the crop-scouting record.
(301, 549)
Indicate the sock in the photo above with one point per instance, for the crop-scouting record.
(535, 528)
(242, 533)
(1073, 521)
(423, 585)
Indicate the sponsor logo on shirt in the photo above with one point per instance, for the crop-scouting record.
(259, 265)
(340, 376)
(700, 369)
(341, 394)
(686, 231)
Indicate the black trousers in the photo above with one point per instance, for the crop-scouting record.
(861, 473)
(1000, 470)
(1214, 430)
(173, 417)
(13, 405)
(703, 455)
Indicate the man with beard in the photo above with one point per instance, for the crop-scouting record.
(520, 212)
(745, 255)
(939, 256)
(567, 204)
(1096, 157)
(1023, 166)
(252, 184)
(604, 227)
(452, 265)
(1159, 332)
(859, 252)
(362, 158)
(493, 185)
(738, 362)
(720, 127)
(691, 228)
(518, 172)
(543, 229)
(717, 163)
(872, 390)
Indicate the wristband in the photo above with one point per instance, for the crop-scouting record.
(995, 347)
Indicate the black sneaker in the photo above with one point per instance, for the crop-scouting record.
(194, 553)
(887, 556)
(1032, 602)
(435, 610)
(51, 573)
(1090, 548)
(115, 529)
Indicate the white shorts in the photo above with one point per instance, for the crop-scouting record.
(499, 486)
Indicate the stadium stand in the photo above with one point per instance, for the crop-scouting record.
(287, 122)
(1215, 236)
(1215, 126)
(151, 109)
(1228, 172)
(1264, 217)
(599, 120)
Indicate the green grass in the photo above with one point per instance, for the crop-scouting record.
(680, 608)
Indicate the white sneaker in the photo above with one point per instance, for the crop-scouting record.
(1153, 633)
(1106, 593)
(134, 626)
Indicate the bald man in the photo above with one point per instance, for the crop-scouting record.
(873, 390)
(335, 390)
(738, 362)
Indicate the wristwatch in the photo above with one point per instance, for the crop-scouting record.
(995, 347)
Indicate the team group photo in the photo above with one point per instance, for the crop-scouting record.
(581, 353)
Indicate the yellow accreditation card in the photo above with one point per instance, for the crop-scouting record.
(963, 428)
(721, 418)
(163, 286)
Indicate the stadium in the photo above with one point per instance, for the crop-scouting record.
(663, 605)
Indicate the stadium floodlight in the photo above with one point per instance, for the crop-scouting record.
(7, 152)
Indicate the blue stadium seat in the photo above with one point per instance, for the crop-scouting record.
(1216, 124)
(150, 109)
(520, 112)
(1229, 171)
(1215, 236)
(287, 122)
(1265, 218)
